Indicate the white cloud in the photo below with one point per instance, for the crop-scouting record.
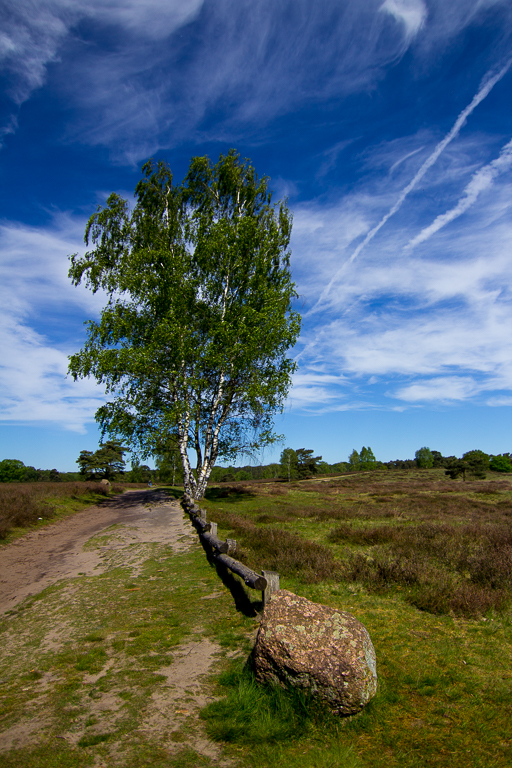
(33, 383)
(30, 40)
(490, 80)
(481, 181)
(314, 389)
(33, 35)
(155, 84)
(421, 318)
(411, 13)
(34, 268)
(152, 18)
(442, 389)
(405, 157)
(499, 402)
(36, 292)
(323, 233)
(262, 59)
(416, 327)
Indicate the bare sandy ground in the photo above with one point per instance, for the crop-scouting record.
(58, 551)
(42, 557)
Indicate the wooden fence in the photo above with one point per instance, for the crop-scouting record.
(223, 550)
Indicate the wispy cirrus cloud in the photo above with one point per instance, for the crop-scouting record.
(34, 387)
(443, 389)
(488, 84)
(240, 67)
(408, 321)
(481, 181)
(411, 13)
(36, 292)
(416, 326)
(34, 36)
(211, 68)
(34, 267)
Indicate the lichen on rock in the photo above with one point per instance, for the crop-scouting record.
(325, 651)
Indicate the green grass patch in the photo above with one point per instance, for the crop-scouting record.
(85, 660)
(252, 714)
(53, 754)
(93, 654)
(424, 563)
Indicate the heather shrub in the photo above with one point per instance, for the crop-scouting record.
(375, 535)
(444, 545)
(24, 504)
(462, 569)
(275, 549)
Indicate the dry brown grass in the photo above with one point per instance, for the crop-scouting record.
(281, 550)
(23, 504)
(451, 552)
(445, 546)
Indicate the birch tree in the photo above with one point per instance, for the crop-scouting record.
(288, 463)
(194, 336)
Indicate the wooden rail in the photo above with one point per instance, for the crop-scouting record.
(267, 582)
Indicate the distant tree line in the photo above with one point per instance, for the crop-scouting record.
(294, 464)
(15, 471)
(474, 463)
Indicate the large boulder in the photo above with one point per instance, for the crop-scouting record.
(320, 649)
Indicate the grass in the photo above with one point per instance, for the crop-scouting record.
(425, 565)
(268, 720)
(445, 679)
(84, 663)
(25, 505)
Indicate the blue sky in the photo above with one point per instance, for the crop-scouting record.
(388, 125)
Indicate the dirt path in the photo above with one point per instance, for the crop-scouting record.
(54, 552)
(125, 531)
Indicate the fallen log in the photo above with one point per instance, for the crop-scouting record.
(214, 542)
(251, 578)
(201, 525)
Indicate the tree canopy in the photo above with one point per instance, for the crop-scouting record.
(288, 463)
(473, 462)
(106, 462)
(501, 463)
(168, 461)
(353, 460)
(15, 471)
(307, 464)
(193, 339)
(424, 458)
(364, 461)
(367, 459)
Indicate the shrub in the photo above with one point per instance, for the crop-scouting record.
(287, 553)
(375, 535)
(466, 569)
(23, 504)
(500, 464)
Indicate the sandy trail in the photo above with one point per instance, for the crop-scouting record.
(42, 557)
(59, 551)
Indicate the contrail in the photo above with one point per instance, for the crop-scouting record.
(480, 181)
(429, 162)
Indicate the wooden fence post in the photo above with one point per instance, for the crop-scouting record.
(272, 579)
(231, 546)
(213, 528)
